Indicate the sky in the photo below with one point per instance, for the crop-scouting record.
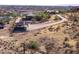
(39, 2)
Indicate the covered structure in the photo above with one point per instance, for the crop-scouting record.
(1, 25)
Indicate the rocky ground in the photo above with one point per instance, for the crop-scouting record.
(58, 39)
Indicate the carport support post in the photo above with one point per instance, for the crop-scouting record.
(28, 27)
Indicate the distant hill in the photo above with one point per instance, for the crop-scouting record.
(25, 7)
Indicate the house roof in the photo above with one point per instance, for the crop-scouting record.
(30, 14)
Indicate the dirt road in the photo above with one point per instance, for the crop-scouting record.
(42, 25)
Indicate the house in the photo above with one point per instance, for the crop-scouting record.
(19, 27)
(22, 23)
(52, 11)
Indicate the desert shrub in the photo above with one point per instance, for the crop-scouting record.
(50, 29)
(57, 18)
(66, 45)
(5, 20)
(66, 39)
(77, 45)
(68, 51)
(33, 45)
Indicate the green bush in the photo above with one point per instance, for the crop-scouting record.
(42, 16)
(5, 20)
(33, 45)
